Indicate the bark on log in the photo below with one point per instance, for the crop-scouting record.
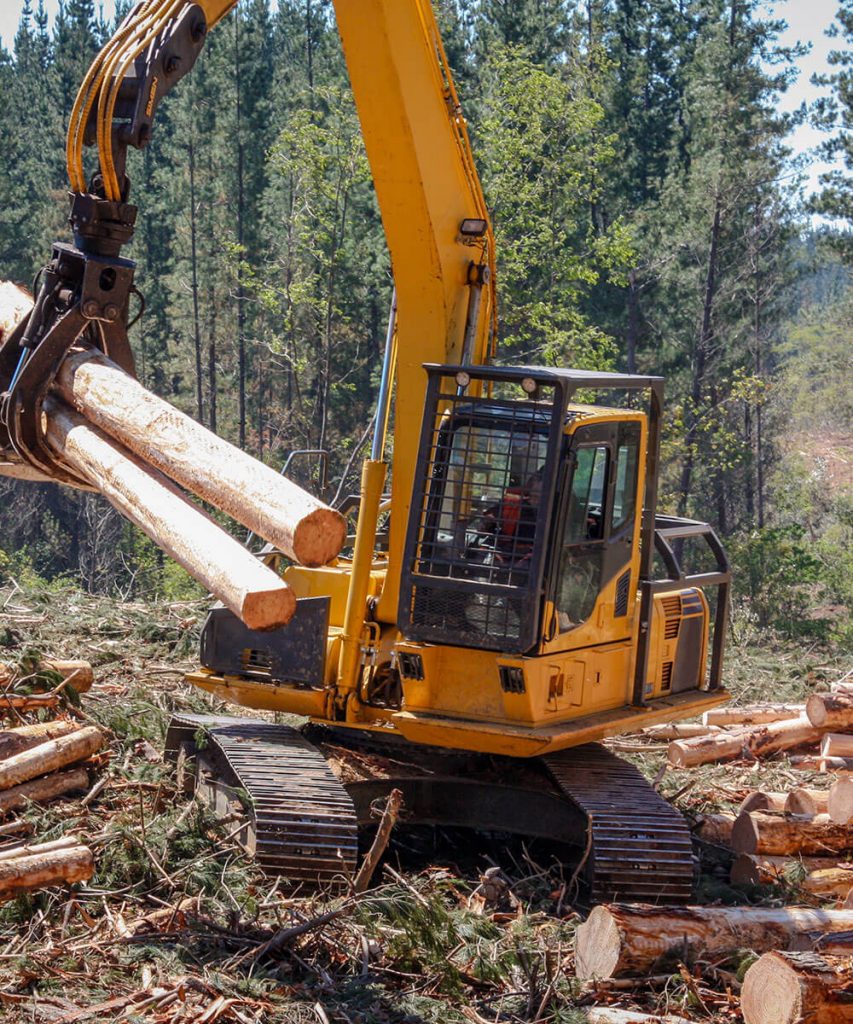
(757, 741)
(755, 869)
(23, 874)
(13, 741)
(47, 757)
(831, 710)
(840, 803)
(842, 686)
(792, 988)
(39, 791)
(716, 829)
(255, 495)
(836, 744)
(806, 802)
(250, 589)
(759, 801)
(777, 835)
(752, 714)
(631, 939)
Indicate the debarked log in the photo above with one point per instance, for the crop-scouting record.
(831, 711)
(255, 495)
(53, 867)
(752, 714)
(78, 674)
(631, 939)
(13, 741)
(49, 756)
(39, 791)
(756, 742)
(246, 586)
(780, 834)
(792, 988)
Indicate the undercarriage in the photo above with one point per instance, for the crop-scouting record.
(303, 794)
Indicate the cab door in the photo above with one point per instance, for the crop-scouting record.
(593, 563)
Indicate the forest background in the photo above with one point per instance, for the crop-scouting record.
(649, 217)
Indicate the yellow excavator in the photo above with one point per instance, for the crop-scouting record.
(522, 599)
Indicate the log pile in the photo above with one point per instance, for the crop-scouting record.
(136, 450)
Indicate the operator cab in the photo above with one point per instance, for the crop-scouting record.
(530, 506)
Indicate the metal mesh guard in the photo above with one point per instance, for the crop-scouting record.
(479, 521)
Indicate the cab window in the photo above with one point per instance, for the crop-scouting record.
(625, 490)
(582, 548)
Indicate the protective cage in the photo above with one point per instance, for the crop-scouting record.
(483, 495)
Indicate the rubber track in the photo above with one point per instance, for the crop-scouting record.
(639, 849)
(304, 822)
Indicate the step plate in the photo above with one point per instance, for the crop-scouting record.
(301, 822)
(639, 848)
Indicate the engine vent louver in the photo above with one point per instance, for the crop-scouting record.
(620, 606)
(672, 612)
(666, 677)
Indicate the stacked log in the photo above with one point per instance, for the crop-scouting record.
(791, 987)
(756, 741)
(807, 802)
(831, 711)
(779, 834)
(759, 869)
(839, 804)
(134, 448)
(33, 867)
(753, 714)
(620, 940)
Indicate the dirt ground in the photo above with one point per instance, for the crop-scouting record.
(177, 925)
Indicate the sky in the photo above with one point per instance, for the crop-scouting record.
(807, 23)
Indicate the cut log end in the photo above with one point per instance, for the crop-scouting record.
(268, 609)
(789, 988)
(319, 537)
(597, 946)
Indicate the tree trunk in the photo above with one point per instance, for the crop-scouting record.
(199, 377)
(830, 710)
(23, 874)
(840, 802)
(766, 739)
(41, 790)
(255, 495)
(805, 802)
(618, 940)
(13, 741)
(798, 988)
(251, 590)
(49, 756)
(753, 714)
(778, 835)
(700, 357)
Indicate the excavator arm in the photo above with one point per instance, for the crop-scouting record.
(433, 212)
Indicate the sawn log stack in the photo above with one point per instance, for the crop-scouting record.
(135, 449)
